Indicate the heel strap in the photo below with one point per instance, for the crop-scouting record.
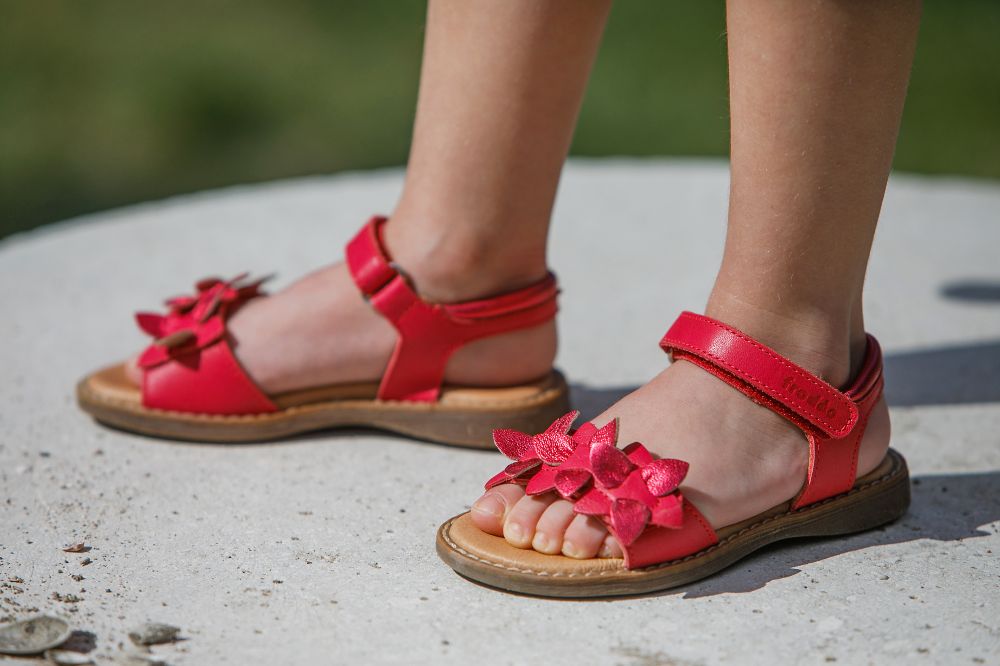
(833, 421)
(429, 333)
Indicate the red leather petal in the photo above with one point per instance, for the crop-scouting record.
(499, 479)
(177, 339)
(638, 454)
(542, 482)
(608, 434)
(664, 475)
(562, 425)
(512, 443)
(593, 503)
(669, 512)
(628, 520)
(205, 284)
(610, 465)
(553, 448)
(150, 323)
(569, 482)
(153, 355)
(181, 304)
(522, 467)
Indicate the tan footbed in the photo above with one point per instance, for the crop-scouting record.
(877, 498)
(462, 415)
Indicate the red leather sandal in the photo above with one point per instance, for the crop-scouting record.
(665, 539)
(195, 389)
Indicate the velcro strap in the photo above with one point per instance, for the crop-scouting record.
(430, 332)
(763, 369)
(369, 266)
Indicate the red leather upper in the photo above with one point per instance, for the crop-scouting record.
(638, 498)
(633, 494)
(833, 421)
(191, 367)
(429, 333)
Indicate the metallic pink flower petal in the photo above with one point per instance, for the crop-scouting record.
(569, 482)
(562, 425)
(501, 478)
(176, 339)
(522, 467)
(610, 465)
(664, 475)
(669, 512)
(584, 434)
(593, 503)
(553, 448)
(608, 434)
(512, 443)
(150, 323)
(628, 520)
(181, 303)
(638, 454)
(543, 481)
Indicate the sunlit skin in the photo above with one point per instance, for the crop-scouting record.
(816, 90)
(501, 86)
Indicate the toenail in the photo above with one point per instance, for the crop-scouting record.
(542, 542)
(569, 549)
(606, 550)
(513, 532)
(489, 504)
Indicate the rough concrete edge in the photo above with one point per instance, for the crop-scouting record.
(582, 163)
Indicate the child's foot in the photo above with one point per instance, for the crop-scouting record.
(320, 331)
(744, 459)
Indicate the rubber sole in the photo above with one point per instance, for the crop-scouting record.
(462, 416)
(876, 499)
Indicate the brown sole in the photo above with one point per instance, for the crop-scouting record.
(462, 416)
(876, 499)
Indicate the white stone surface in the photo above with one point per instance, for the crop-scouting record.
(278, 554)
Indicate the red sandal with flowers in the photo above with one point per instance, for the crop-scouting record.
(665, 539)
(194, 388)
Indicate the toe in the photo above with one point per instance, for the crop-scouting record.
(610, 548)
(584, 538)
(519, 528)
(489, 511)
(551, 527)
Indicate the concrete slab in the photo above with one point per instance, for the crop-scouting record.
(274, 554)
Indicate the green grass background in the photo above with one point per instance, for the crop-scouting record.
(108, 102)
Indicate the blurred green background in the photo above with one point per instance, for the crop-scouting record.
(108, 102)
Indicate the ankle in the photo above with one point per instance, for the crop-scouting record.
(825, 341)
(450, 264)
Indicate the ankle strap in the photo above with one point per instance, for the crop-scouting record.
(429, 333)
(833, 421)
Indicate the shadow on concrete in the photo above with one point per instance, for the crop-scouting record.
(945, 507)
(955, 375)
(976, 291)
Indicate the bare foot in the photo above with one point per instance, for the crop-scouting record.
(744, 459)
(319, 331)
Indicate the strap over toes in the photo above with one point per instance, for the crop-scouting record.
(638, 497)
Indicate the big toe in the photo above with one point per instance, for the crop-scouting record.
(490, 511)
(132, 371)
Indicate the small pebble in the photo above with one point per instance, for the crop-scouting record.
(153, 633)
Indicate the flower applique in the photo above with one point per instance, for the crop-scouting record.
(627, 488)
(194, 322)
